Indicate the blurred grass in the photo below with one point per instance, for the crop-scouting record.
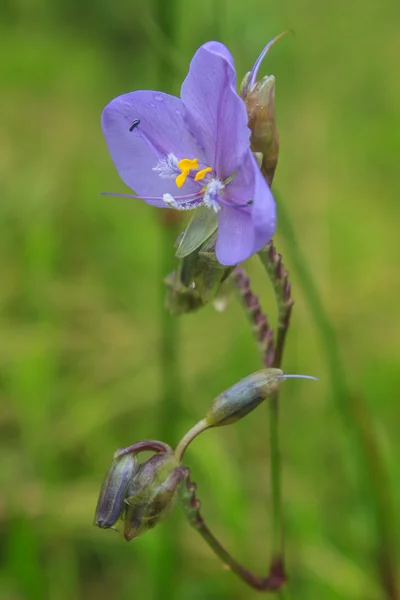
(79, 291)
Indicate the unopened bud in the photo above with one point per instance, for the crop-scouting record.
(197, 280)
(151, 494)
(111, 502)
(259, 97)
(264, 139)
(243, 397)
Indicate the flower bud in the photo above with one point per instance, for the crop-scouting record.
(243, 397)
(197, 280)
(151, 493)
(111, 502)
(259, 97)
(264, 139)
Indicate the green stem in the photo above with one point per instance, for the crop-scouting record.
(272, 262)
(272, 353)
(275, 477)
(355, 418)
(191, 507)
(189, 437)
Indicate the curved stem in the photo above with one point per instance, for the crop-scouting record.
(189, 437)
(257, 582)
(272, 354)
(191, 507)
(272, 262)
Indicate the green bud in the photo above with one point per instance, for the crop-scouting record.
(243, 397)
(197, 280)
(151, 494)
(111, 502)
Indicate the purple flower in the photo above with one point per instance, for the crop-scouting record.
(195, 151)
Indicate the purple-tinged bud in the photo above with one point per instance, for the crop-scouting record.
(243, 397)
(259, 97)
(151, 493)
(111, 502)
(264, 139)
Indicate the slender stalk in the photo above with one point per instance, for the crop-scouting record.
(276, 482)
(271, 354)
(189, 437)
(191, 507)
(272, 262)
(262, 330)
(355, 418)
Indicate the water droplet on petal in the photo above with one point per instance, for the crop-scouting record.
(152, 105)
(177, 111)
(159, 97)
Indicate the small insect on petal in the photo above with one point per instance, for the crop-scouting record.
(135, 123)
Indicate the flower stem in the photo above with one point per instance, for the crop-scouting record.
(271, 353)
(272, 262)
(191, 507)
(356, 420)
(276, 484)
(189, 437)
(262, 330)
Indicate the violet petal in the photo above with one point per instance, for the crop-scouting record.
(161, 131)
(244, 231)
(216, 116)
(235, 236)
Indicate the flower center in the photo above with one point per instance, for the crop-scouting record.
(186, 165)
(172, 168)
(210, 191)
(212, 196)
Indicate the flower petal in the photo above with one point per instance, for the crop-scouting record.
(235, 236)
(216, 115)
(161, 131)
(244, 231)
(263, 211)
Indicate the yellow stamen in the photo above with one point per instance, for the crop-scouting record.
(181, 178)
(186, 165)
(202, 173)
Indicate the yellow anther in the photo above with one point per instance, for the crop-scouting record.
(186, 165)
(180, 180)
(202, 173)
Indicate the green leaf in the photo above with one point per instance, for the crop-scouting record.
(203, 223)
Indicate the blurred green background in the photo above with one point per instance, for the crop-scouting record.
(81, 300)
